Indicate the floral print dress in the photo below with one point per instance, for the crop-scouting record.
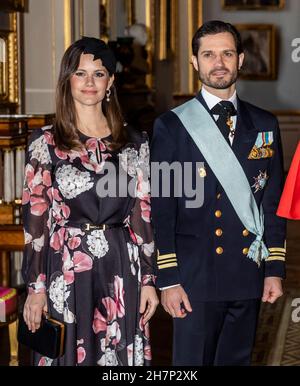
(92, 278)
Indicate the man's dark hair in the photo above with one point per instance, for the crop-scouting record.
(214, 27)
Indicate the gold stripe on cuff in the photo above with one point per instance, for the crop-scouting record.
(277, 250)
(270, 258)
(168, 255)
(167, 265)
(167, 261)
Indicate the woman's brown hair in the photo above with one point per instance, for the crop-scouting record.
(65, 125)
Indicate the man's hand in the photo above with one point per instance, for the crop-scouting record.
(272, 289)
(172, 299)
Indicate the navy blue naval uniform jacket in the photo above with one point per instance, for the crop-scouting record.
(205, 249)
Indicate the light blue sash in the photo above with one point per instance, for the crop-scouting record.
(224, 164)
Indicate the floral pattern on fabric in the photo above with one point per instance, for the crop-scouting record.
(72, 181)
(92, 278)
(97, 243)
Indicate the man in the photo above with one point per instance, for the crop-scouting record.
(218, 261)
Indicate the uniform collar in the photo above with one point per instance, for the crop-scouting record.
(211, 100)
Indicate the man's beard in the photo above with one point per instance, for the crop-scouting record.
(220, 84)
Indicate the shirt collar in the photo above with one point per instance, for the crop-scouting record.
(211, 100)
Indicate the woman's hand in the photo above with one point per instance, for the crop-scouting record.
(149, 302)
(34, 306)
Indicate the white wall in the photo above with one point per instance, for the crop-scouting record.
(44, 46)
(283, 93)
(91, 18)
(39, 58)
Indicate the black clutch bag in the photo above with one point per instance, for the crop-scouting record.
(48, 340)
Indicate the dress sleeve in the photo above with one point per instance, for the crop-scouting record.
(289, 205)
(140, 218)
(36, 202)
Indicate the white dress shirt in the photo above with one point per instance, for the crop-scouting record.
(211, 100)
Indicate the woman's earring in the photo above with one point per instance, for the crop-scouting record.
(108, 93)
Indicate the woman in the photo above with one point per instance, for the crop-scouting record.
(89, 256)
(289, 205)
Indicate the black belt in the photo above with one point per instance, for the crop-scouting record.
(85, 227)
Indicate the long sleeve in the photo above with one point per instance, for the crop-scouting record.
(275, 227)
(164, 208)
(36, 201)
(140, 219)
(289, 206)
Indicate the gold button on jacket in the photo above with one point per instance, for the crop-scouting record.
(218, 213)
(245, 232)
(219, 232)
(219, 250)
(218, 196)
(245, 251)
